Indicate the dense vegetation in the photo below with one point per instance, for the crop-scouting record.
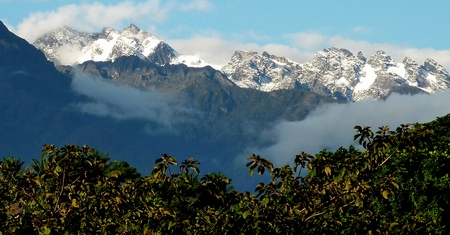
(397, 184)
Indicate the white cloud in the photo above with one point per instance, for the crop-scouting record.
(69, 54)
(214, 48)
(217, 50)
(309, 41)
(331, 126)
(92, 16)
(397, 52)
(292, 53)
(124, 103)
(312, 42)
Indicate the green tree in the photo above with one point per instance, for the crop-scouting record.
(397, 183)
(122, 171)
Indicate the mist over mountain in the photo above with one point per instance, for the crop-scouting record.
(135, 109)
(333, 72)
(132, 95)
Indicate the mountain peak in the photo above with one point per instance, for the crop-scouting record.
(408, 61)
(265, 72)
(434, 66)
(265, 54)
(67, 47)
(133, 27)
(333, 72)
(109, 30)
(340, 51)
(380, 60)
(361, 57)
(337, 73)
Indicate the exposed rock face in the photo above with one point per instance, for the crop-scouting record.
(337, 73)
(66, 46)
(262, 72)
(209, 115)
(333, 72)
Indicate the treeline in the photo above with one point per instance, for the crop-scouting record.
(398, 183)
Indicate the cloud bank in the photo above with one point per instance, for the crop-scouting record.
(160, 111)
(301, 47)
(218, 50)
(331, 126)
(398, 53)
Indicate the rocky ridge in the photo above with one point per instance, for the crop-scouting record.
(66, 46)
(189, 111)
(333, 72)
(337, 73)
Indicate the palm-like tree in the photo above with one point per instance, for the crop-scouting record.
(10, 167)
(39, 166)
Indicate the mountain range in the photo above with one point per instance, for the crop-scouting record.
(132, 95)
(133, 108)
(333, 72)
(68, 46)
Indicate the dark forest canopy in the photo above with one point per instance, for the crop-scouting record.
(398, 184)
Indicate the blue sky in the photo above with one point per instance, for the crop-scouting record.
(213, 29)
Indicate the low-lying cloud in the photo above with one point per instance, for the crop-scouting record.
(69, 54)
(162, 111)
(331, 126)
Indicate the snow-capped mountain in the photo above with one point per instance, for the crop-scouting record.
(336, 73)
(67, 46)
(262, 72)
(333, 72)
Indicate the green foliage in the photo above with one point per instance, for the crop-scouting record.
(122, 171)
(398, 183)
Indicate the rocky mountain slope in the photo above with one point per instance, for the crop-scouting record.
(333, 72)
(136, 106)
(337, 73)
(174, 109)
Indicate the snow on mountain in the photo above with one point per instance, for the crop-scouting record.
(333, 72)
(262, 72)
(67, 46)
(336, 73)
